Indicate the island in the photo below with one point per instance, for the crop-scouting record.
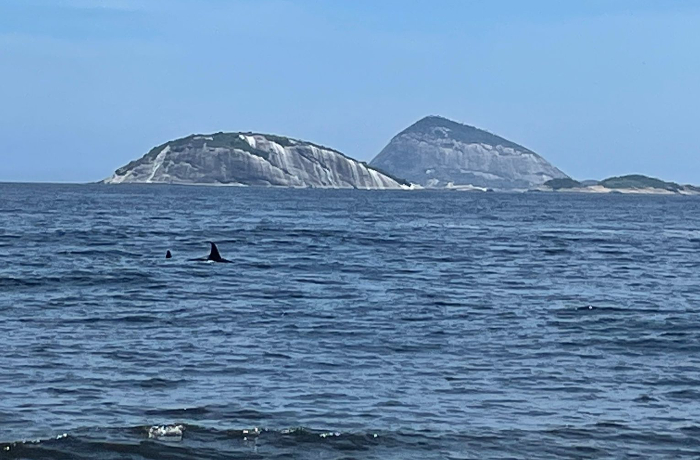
(436, 152)
(252, 159)
(433, 153)
(629, 184)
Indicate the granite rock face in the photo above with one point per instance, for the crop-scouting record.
(251, 159)
(440, 153)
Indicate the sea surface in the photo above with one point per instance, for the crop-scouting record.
(351, 325)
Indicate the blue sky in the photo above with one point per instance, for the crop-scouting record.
(598, 87)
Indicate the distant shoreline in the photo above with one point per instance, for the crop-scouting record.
(588, 190)
(597, 190)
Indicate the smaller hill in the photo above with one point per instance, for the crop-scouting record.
(633, 183)
(637, 181)
(564, 183)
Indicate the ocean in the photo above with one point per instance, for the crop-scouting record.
(351, 325)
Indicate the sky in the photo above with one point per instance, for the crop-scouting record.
(597, 87)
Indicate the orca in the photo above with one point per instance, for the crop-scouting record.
(168, 255)
(214, 256)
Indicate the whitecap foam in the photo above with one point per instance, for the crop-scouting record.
(166, 432)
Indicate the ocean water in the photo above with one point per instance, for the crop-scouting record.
(352, 325)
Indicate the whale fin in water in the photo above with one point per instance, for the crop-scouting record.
(168, 255)
(215, 256)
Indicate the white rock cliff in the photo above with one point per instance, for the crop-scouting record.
(251, 159)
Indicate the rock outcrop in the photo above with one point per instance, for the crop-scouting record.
(440, 153)
(251, 159)
(630, 184)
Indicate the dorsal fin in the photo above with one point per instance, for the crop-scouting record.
(214, 254)
(168, 255)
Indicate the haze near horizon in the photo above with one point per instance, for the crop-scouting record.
(598, 88)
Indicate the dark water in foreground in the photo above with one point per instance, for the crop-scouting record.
(365, 325)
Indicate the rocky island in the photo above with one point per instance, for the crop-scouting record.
(630, 184)
(432, 153)
(251, 159)
(439, 153)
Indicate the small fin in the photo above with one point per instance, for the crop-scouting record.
(168, 255)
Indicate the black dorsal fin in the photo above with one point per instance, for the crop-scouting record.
(214, 254)
(168, 255)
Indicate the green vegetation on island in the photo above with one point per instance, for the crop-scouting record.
(637, 181)
(632, 182)
(558, 184)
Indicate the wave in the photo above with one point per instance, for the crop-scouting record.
(184, 441)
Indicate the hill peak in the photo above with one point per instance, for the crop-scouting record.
(438, 152)
(436, 124)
